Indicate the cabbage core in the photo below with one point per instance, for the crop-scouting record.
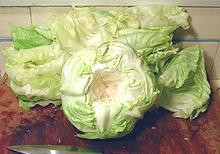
(105, 86)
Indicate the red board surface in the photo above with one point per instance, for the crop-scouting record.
(158, 132)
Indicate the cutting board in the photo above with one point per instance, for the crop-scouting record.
(158, 132)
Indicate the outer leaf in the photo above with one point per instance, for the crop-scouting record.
(145, 42)
(29, 37)
(178, 70)
(164, 18)
(45, 87)
(192, 98)
(84, 27)
(157, 61)
(160, 55)
(35, 73)
(27, 103)
(36, 56)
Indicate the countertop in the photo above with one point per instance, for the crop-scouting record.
(158, 132)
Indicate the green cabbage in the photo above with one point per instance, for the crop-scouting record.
(108, 67)
(163, 18)
(188, 89)
(34, 63)
(105, 92)
(84, 27)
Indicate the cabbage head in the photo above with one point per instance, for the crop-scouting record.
(105, 91)
(34, 63)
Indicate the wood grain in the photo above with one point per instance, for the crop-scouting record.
(157, 133)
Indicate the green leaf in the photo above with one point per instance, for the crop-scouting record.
(26, 99)
(163, 18)
(191, 98)
(27, 103)
(179, 68)
(144, 42)
(85, 27)
(25, 38)
(35, 73)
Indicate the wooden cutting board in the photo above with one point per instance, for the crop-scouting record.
(158, 132)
